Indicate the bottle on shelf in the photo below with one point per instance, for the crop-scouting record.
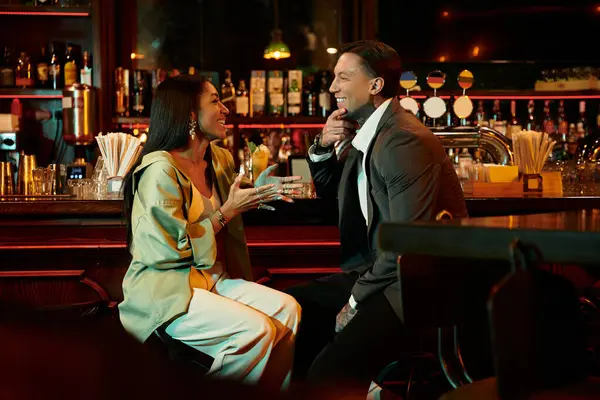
(24, 77)
(7, 70)
(324, 97)
(122, 92)
(449, 118)
(43, 69)
(258, 84)
(310, 97)
(531, 122)
(563, 124)
(138, 103)
(294, 95)
(480, 117)
(70, 67)
(572, 141)
(276, 99)
(55, 71)
(86, 69)
(498, 122)
(228, 93)
(582, 124)
(242, 104)
(549, 124)
(515, 126)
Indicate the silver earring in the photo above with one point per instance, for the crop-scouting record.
(193, 127)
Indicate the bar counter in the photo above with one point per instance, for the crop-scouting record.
(74, 251)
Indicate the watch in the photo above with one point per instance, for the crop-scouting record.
(321, 149)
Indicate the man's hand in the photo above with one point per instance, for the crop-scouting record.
(336, 128)
(344, 317)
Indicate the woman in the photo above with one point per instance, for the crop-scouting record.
(190, 271)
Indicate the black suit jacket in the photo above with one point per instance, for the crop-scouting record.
(410, 178)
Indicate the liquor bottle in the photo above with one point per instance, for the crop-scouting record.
(563, 124)
(310, 98)
(70, 67)
(499, 123)
(228, 93)
(582, 124)
(324, 97)
(549, 125)
(242, 104)
(43, 69)
(257, 93)
(531, 124)
(275, 87)
(56, 75)
(294, 99)
(86, 69)
(480, 117)
(450, 119)
(7, 71)
(572, 141)
(138, 94)
(515, 126)
(122, 92)
(24, 77)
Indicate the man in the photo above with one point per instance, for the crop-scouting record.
(396, 170)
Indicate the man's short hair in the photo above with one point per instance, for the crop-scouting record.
(379, 60)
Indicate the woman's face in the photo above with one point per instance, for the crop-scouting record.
(212, 113)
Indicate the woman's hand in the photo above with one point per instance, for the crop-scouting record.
(285, 185)
(241, 200)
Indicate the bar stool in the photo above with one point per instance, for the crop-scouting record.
(441, 294)
(537, 337)
(178, 353)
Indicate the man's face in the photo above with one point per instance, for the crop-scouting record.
(352, 86)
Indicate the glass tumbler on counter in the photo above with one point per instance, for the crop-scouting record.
(100, 181)
(80, 188)
(43, 181)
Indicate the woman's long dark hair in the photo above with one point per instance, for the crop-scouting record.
(174, 101)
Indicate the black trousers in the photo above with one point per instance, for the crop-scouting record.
(372, 340)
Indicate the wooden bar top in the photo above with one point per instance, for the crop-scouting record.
(565, 237)
(302, 212)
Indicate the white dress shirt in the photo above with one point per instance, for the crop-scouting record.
(362, 141)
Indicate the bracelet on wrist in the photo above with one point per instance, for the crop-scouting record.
(221, 218)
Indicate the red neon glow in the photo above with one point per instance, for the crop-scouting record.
(522, 97)
(55, 14)
(294, 244)
(279, 126)
(31, 96)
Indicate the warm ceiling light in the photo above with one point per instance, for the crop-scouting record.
(475, 51)
(277, 49)
(445, 14)
(332, 50)
(598, 9)
(442, 59)
(135, 56)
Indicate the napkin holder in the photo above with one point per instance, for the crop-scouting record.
(533, 183)
(113, 188)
